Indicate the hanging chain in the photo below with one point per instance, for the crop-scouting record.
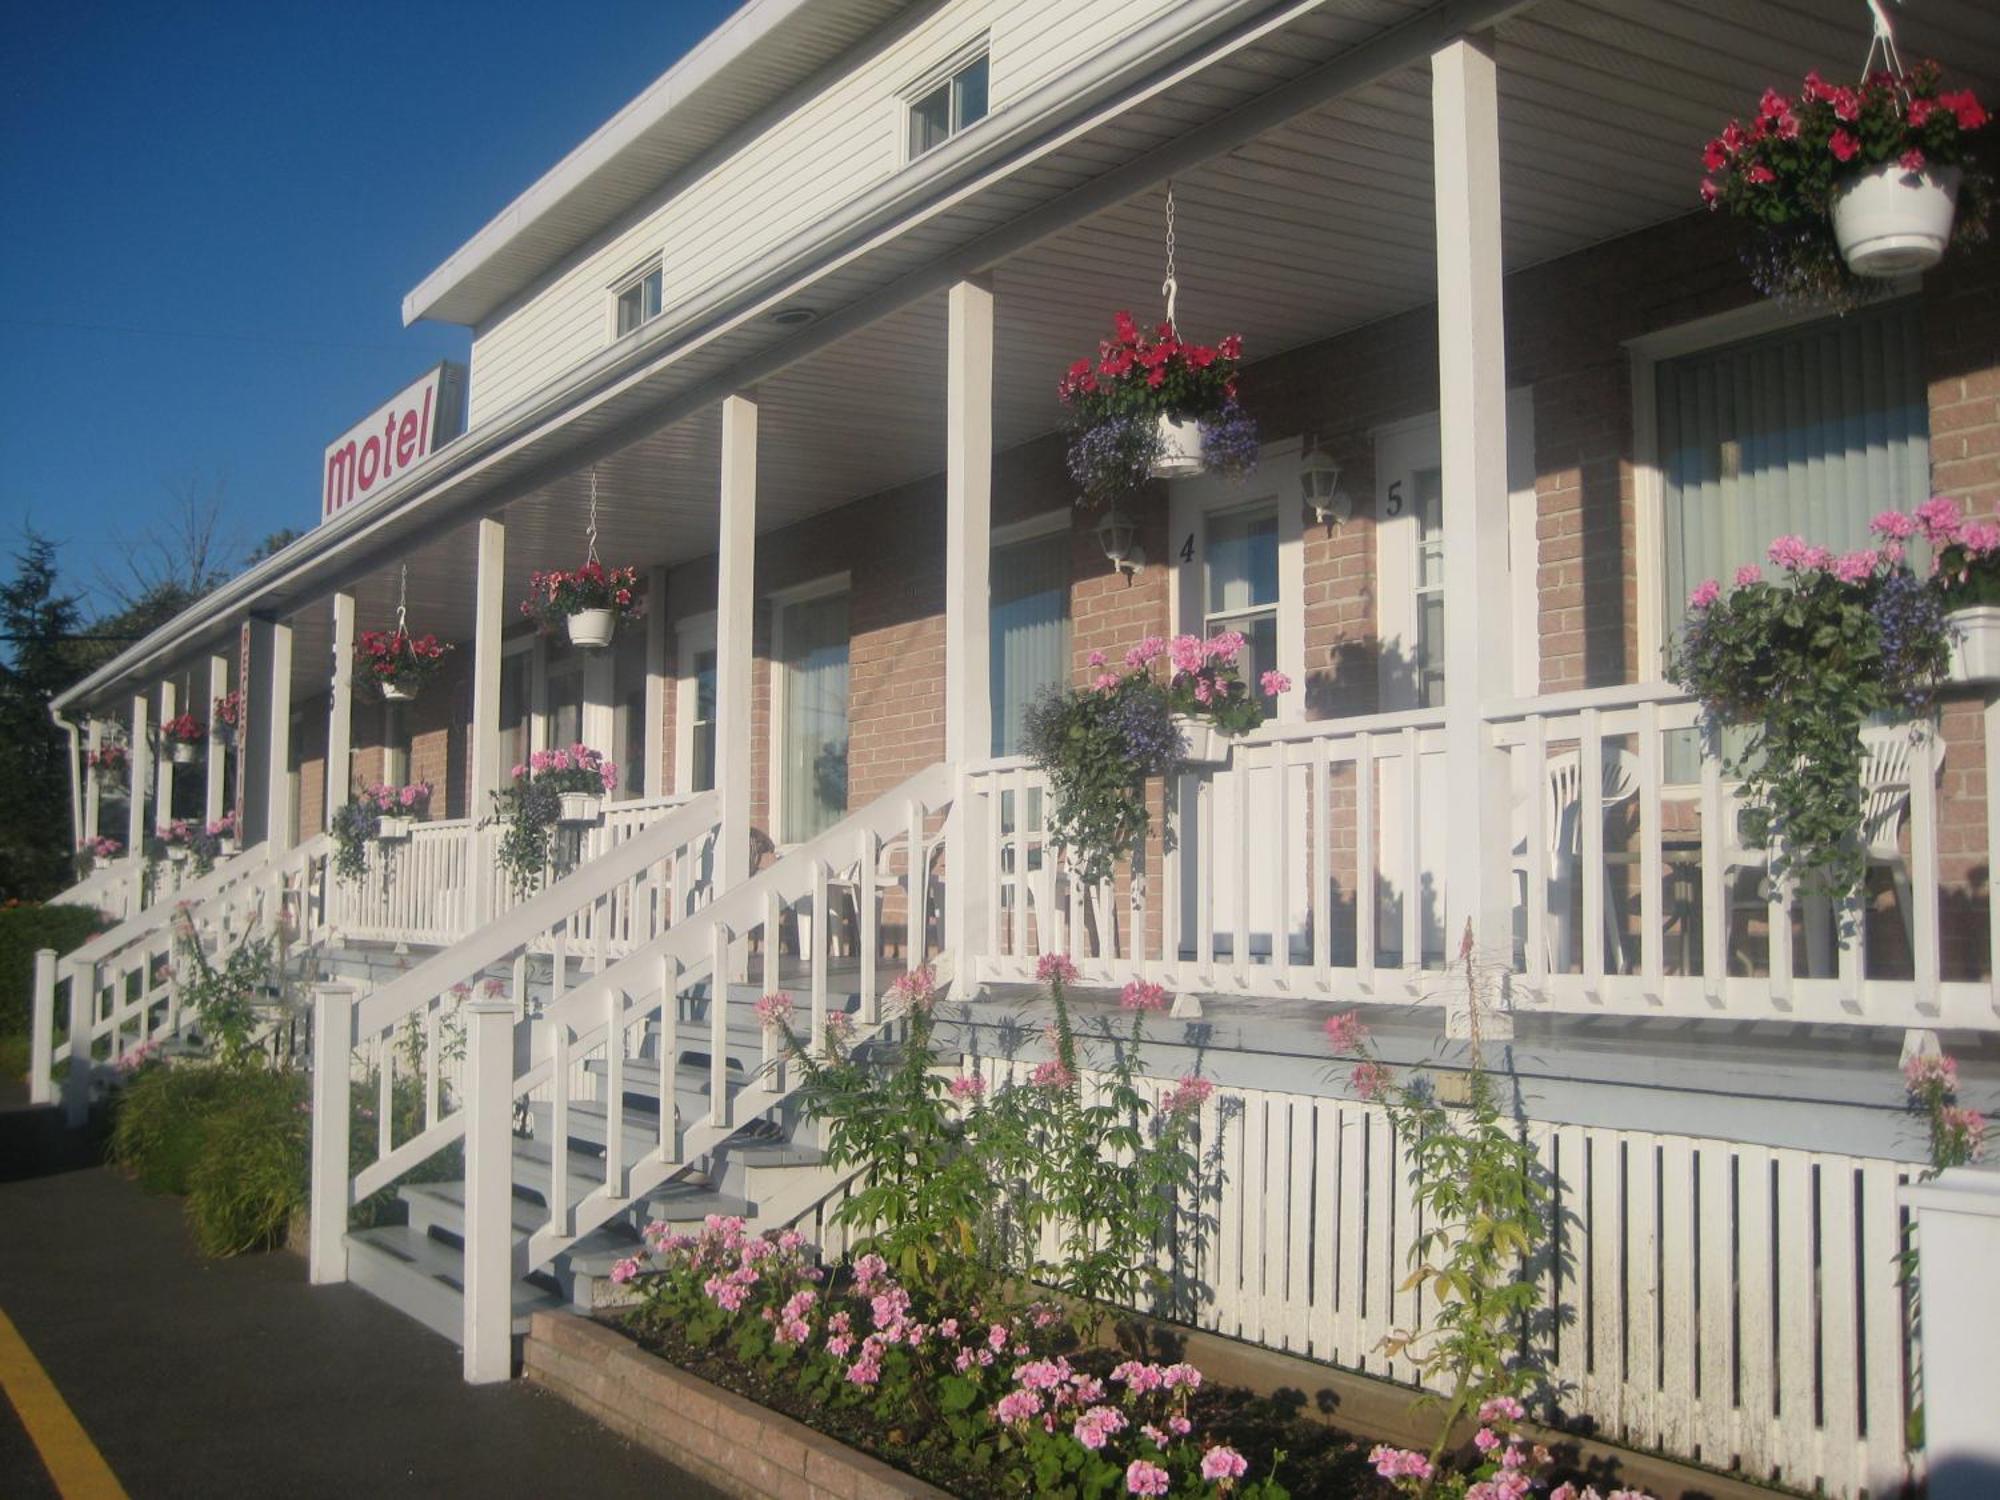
(1171, 287)
(1883, 42)
(592, 533)
(403, 601)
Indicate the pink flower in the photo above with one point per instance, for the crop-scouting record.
(1967, 1124)
(1855, 567)
(1149, 650)
(1345, 1033)
(1142, 1478)
(1139, 995)
(1275, 682)
(1705, 594)
(1486, 1440)
(1097, 1425)
(1220, 1464)
(1055, 968)
(1502, 1409)
(1370, 1080)
(1939, 517)
(1097, 659)
(1104, 682)
(1187, 1096)
(1980, 537)
(1187, 654)
(1224, 645)
(968, 1086)
(916, 991)
(1399, 1463)
(1748, 574)
(626, 1270)
(1789, 552)
(1051, 1075)
(1927, 1070)
(1017, 1406)
(774, 1011)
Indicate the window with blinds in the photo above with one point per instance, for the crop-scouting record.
(813, 752)
(1029, 632)
(1809, 433)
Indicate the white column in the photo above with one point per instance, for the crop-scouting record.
(41, 1039)
(218, 747)
(968, 715)
(657, 779)
(1472, 400)
(163, 792)
(1958, 1244)
(489, 617)
(735, 619)
(277, 690)
(333, 1050)
(136, 775)
(489, 1195)
(93, 741)
(340, 709)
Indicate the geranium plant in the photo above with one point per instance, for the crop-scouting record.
(1965, 555)
(1799, 663)
(1781, 170)
(1116, 402)
(1099, 744)
(90, 851)
(183, 729)
(227, 711)
(358, 823)
(529, 809)
(399, 662)
(111, 759)
(553, 597)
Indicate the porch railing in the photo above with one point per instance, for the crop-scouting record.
(1312, 862)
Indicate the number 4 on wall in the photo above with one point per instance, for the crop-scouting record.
(1187, 549)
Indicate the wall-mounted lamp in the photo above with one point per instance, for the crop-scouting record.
(1319, 482)
(1118, 536)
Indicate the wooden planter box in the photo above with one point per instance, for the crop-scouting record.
(720, 1437)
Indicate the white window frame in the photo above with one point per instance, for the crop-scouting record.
(778, 599)
(942, 73)
(653, 265)
(692, 635)
(1397, 565)
(1649, 484)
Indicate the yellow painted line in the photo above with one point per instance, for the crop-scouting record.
(72, 1459)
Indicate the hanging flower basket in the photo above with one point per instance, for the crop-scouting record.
(394, 828)
(581, 807)
(1843, 187)
(112, 762)
(399, 663)
(226, 715)
(184, 736)
(589, 602)
(1154, 407)
(554, 787)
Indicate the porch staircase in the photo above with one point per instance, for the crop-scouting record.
(607, 1079)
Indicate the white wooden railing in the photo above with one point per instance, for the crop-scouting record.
(1312, 862)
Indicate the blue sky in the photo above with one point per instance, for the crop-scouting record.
(213, 213)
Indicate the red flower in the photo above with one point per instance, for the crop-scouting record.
(1201, 356)
(1911, 160)
(1710, 193)
(1816, 88)
(1921, 110)
(1128, 331)
(1232, 346)
(1761, 174)
(1713, 157)
(1157, 377)
(1733, 137)
(1966, 107)
(1846, 106)
(1773, 104)
(1842, 145)
(1788, 126)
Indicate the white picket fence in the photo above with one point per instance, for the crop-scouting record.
(1732, 1304)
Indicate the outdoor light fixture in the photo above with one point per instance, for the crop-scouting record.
(794, 316)
(1319, 481)
(1117, 535)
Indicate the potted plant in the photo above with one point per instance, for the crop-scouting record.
(1800, 663)
(111, 760)
(178, 838)
(223, 832)
(590, 601)
(1965, 569)
(1099, 744)
(1844, 186)
(398, 809)
(399, 663)
(227, 716)
(1154, 408)
(184, 736)
(554, 786)
(90, 851)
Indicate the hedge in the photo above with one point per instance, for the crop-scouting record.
(23, 929)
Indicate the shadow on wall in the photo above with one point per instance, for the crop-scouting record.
(1358, 677)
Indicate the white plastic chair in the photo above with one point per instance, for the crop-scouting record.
(1563, 832)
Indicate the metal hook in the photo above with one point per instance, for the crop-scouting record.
(403, 601)
(1171, 287)
(591, 555)
(1884, 42)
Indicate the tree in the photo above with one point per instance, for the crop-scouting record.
(184, 554)
(37, 621)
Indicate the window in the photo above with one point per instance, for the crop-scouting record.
(812, 761)
(516, 704)
(1429, 501)
(628, 713)
(1029, 632)
(702, 725)
(1241, 588)
(639, 300)
(1810, 432)
(943, 109)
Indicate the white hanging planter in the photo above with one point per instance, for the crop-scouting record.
(225, 846)
(395, 692)
(177, 853)
(1891, 221)
(394, 829)
(1180, 449)
(183, 753)
(580, 807)
(592, 628)
(1975, 643)
(1206, 745)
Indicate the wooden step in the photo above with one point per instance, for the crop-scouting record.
(424, 1278)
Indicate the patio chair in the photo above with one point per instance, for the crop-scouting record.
(1564, 835)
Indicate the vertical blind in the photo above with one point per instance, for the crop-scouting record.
(1029, 635)
(1808, 433)
(813, 772)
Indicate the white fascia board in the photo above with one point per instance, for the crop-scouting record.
(670, 92)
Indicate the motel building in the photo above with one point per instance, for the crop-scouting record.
(784, 335)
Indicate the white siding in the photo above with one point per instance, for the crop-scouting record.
(822, 152)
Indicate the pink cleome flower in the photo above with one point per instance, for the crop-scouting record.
(1187, 1096)
(916, 991)
(1345, 1033)
(1055, 968)
(968, 1086)
(1140, 995)
(1370, 1080)
(774, 1010)
(1051, 1075)
(1928, 1069)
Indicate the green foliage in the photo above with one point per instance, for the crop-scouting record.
(252, 1172)
(223, 1000)
(36, 619)
(159, 1121)
(356, 823)
(526, 813)
(23, 930)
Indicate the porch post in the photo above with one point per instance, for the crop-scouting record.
(968, 714)
(163, 791)
(1472, 400)
(136, 775)
(489, 616)
(278, 740)
(655, 783)
(735, 618)
(93, 741)
(340, 710)
(489, 1234)
(333, 1056)
(218, 749)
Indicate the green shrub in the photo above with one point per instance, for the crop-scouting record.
(251, 1175)
(161, 1117)
(23, 929)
